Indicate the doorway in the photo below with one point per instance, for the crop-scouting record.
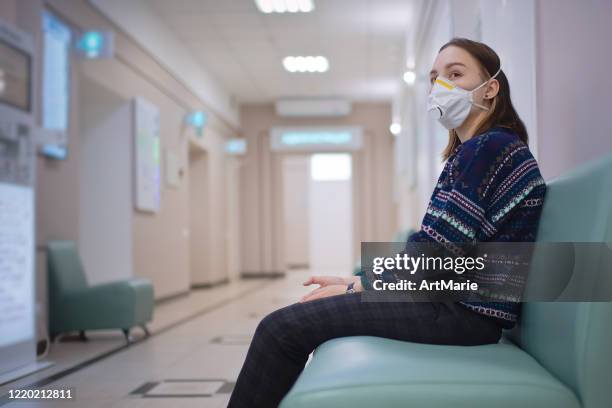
(105, 188)
(331, 214)
(318, 213)
(296, 187)
(198, 217)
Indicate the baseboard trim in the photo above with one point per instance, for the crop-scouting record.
(298, 266)
(208, 285)
(169, 298)
(262, 275)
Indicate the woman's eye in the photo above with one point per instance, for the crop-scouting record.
(454, 75)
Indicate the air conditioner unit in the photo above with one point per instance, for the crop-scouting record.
(313, 107)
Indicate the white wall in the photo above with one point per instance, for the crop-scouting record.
(232, 222)
(209, 209)
(199, 223)
(296, 216)
(465, 21)
(105, 158)
(432, 137)
(573, 83)
(138, 19)
(509, 28)
(427, 138)
(217, 205)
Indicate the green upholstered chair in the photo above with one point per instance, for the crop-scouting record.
(560, 355)
(76, 306)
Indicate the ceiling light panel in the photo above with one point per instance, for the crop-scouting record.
(285, 6)
(306, 64)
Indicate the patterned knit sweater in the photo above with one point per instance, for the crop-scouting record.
(490, 190)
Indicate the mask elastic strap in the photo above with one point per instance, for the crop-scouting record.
(483, 84)
(487, 81)
(498, 71)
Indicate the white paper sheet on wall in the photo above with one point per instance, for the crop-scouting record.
(147, 156)
(16, 264)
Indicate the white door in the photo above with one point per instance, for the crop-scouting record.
(296, 183)
(331, 214)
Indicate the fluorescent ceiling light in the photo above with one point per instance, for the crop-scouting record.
(306, 64)
(409, 77)
(285, 6)
(395, 128)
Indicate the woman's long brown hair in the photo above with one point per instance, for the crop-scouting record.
(502, 111)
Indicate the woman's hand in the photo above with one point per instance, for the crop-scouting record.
(324, 291)
(330, 286)
(327, 280)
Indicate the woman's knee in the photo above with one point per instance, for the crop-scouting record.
(283, 325)
(274, 323)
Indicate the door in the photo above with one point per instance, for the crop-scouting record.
(331, 214)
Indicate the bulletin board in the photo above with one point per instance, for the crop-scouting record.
(147, 172)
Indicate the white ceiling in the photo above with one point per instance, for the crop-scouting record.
(364, 41)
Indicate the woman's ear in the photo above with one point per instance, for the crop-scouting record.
(492, 89)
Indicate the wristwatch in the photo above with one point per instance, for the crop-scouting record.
(350, 288)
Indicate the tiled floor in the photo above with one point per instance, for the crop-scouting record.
(187, 354)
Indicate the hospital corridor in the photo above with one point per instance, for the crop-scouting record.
(192, 358)
(305, 203)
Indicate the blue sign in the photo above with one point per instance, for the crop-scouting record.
(95, 44)
(236, 146)
(198, 120)
(54, 151)
(293, 138)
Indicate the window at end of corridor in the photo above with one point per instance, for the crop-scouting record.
(330, 166)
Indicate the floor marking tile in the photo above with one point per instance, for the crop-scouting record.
(184, 388)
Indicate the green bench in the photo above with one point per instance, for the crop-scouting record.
(400, 236)
(560, 356)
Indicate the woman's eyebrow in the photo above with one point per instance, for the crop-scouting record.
(454, 63)
(450, 64)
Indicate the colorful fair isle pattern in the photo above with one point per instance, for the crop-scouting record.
(490, 190)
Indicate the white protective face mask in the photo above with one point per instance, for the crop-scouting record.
(450, 104)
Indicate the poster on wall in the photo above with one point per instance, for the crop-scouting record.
(147, 172)
(16, 263)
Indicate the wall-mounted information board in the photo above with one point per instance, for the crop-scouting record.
(147, 172)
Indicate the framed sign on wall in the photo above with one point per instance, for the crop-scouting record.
(147, 171)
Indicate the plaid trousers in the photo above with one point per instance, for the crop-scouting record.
(285, 338)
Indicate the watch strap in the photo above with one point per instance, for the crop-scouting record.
(350, 288)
